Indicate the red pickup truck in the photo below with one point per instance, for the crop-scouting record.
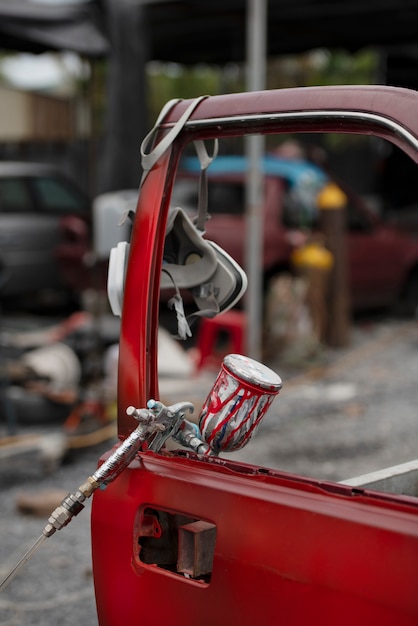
(382, 259)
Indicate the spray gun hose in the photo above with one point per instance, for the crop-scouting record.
(106, 473)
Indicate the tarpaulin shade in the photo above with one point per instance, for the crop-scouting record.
(192, 31)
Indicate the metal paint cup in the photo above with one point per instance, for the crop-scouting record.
(241, 395)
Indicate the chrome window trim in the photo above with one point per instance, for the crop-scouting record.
(231, 121)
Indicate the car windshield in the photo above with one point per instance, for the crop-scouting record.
(226, 186)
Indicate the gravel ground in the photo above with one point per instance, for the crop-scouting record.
(56, 586)
(352, 413)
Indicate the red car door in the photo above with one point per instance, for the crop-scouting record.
(277, 548)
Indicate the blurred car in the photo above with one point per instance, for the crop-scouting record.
(382, 260)
(44, 230)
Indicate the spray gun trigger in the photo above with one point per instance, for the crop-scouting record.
(170, 418)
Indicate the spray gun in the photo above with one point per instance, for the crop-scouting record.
(156, 424)
(233, 410)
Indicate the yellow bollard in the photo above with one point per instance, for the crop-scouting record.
(314, 261)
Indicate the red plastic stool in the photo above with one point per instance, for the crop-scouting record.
(219, 336)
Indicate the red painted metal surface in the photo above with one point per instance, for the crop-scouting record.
(288, 550)
(138, 341)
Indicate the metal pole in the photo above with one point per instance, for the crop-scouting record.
(255, 145)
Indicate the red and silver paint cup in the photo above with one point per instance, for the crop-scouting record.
(241, 395)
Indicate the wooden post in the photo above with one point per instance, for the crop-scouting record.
(332, 204)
